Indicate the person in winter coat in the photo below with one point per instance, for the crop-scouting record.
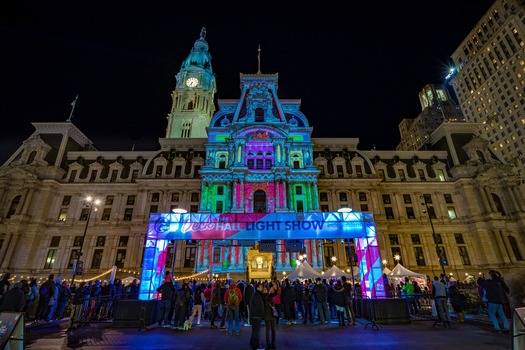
(298, 290)
(215, 302)
(32, 302)
(288, 301)
(495, 300)
(63, 299)
(269, 317)
(456, 299)
(13, 299)
(4, 283)
(248, 293)
(350, 314)
(320, 293)
(198, 302)
(233, 298)
(182, 300)
(167, 290)
(46, 292)
(339, 300)
(256, 305)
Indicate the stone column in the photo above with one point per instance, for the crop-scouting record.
(9, 253)
(487, 193)
(315, 191)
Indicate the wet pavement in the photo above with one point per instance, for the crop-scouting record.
(476, 333)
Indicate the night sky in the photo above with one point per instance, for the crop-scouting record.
(358, 68)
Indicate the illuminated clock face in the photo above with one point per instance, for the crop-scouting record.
(192, 82)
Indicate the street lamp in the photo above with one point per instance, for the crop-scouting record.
(439, 251)
(90, 203)
(334, 259)
(384, 263)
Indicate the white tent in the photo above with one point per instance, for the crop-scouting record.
(304, 270)
(386, 271)
(401, 271)
(335, 272)
(128, 280)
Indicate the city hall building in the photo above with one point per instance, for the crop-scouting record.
(449, 201)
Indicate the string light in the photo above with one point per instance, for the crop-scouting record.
(191, 276)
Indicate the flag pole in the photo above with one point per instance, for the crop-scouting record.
(73, 104)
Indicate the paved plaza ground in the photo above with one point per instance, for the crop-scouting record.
(422, 335)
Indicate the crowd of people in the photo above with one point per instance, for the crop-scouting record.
(48, 301)
(228, 304)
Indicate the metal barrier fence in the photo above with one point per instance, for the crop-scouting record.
(92, 309)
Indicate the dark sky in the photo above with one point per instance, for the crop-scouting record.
(357, 66)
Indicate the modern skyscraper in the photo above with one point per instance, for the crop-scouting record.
(489, 80)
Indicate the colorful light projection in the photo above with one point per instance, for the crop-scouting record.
(369, 262)
(228, 226)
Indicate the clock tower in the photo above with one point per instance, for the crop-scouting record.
(193, 107)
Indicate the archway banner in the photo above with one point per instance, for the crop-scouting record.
(236, 227)
(199, 226)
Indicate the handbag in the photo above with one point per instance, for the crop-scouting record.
(274, 312)
(277, 298)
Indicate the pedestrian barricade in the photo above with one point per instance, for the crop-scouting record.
(92, 309)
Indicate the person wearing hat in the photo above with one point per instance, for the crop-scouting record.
(13, 299)
(53, 301)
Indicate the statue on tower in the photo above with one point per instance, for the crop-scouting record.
(203, 33)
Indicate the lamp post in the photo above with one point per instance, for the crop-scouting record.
(90, 203)
(334, 260)
(439, 252)
(384, 263)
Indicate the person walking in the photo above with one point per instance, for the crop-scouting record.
(456, 300)
(256, 305)
(495, 299)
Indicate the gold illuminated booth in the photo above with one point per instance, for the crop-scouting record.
(260, 264)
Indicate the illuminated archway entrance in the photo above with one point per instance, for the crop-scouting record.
(261, 226)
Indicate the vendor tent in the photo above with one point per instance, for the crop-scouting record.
(401, 271)
(335, 272)
(304, 270)
(128, 280)
(386, 271)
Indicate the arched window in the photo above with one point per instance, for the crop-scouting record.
(481, 156)
(259, 115)
(515, 248)
(190, 105)
(498, 203)
(259, 201)
(14, 206)
(31, 157)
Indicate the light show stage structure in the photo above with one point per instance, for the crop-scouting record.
(164, 227)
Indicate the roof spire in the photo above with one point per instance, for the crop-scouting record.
(259, 60)
(203, 33)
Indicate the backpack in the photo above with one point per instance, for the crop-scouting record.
(307, 297)
(233, 298)
(43, 290)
